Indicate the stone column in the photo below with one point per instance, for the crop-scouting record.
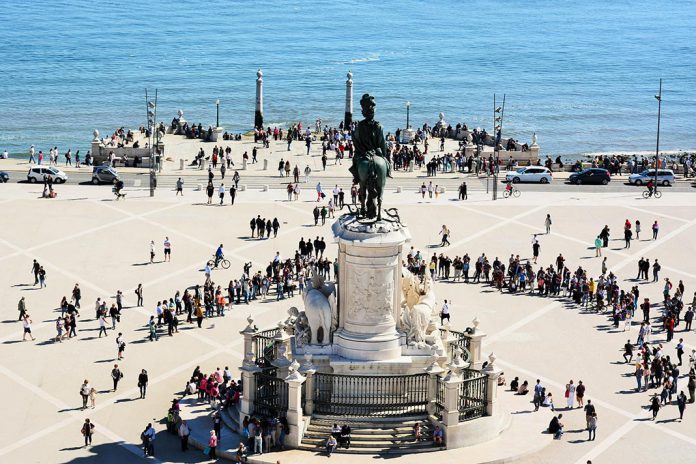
(248, 369)
(348, 117)
(454, 378)
(295, 414)
(434, 370)
(248, 334)
(308, 370)
(369, 263)
(492, 372)
(258, 114)
(475, 340)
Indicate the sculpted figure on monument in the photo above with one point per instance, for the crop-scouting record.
(371, 164)
(417, 307)
(320, 309)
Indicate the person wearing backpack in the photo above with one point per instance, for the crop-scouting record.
(148, 438)
(87, 431)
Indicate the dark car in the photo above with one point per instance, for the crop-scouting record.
(590, 176)
(104, 174)
(4, 177)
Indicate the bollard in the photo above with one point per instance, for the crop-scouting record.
(398, 189)
(181, 164)
(242, 188)
(244, 164)
(265, 164)
(136, 183)
(199, 187)
(264, 188)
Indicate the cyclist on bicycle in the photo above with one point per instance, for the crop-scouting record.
(118, 186)
(508, 187)
(219, 255)
(651, 187)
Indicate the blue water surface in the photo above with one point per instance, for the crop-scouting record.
(580, 74)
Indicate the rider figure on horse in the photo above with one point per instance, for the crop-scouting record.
(371, 164)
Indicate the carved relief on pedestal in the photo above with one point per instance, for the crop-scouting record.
(371, 296)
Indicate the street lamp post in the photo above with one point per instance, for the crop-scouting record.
(498, 113)
(408, 115)
(217, 113)
(153, 140)
(658, 97)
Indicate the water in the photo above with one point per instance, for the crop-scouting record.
(580, 74)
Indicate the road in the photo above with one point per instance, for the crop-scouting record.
(449, 181)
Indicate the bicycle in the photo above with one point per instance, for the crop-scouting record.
(647, 194)
(513, 191)
(222, 262)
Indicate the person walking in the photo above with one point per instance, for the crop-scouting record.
(179, 187)
(320, 193)
(654, 406)
(116, 376)
(628, 234)
(535, 249)
(445, 232)
(142, 383)
(221, 193)
(139, 294)
(92, 397)
(120, 345)
(152, 251)
(462, 191)
(26, 323)
(570, 395)
(102, 326)
(655, 230)
(22, 308)
(547, 223)
(681, 404)
(445, 313)
(87, 431)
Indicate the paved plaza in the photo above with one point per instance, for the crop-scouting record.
(86, 237)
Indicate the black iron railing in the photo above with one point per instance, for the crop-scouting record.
(370, 396)
(271, 399)
(457, 339)
(439, 398)
(472, 395)
(264, 347)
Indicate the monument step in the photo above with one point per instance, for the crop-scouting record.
(388, 432)
(355, 440)
(366, 422)
(369, 429)
(377, 450)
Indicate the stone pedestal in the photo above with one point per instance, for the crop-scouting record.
(294, 414)
(369, 297)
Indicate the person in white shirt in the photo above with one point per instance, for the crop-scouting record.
(221, 192)
(444, 313)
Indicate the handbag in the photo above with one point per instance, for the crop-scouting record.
(206, 450)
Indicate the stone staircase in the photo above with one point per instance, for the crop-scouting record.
(369, 436)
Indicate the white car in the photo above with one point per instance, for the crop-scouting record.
(37, 173)
(537, 174)
(664, 177)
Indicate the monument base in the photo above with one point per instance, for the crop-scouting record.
(359, 347)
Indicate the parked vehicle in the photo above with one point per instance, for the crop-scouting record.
(104, 175)
(538, 174)
(590, 176)
(664, 177)
(37, 173)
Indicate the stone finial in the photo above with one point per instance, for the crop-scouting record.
(307, 366)
(534, 139)
(180, 113)
(457, 365)
(475, 322)
(491, 359)
(282, 352)
(349, 76)
(294, 375)
(434, 367)
(250, 328)
(95, 133)
(259, 74)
